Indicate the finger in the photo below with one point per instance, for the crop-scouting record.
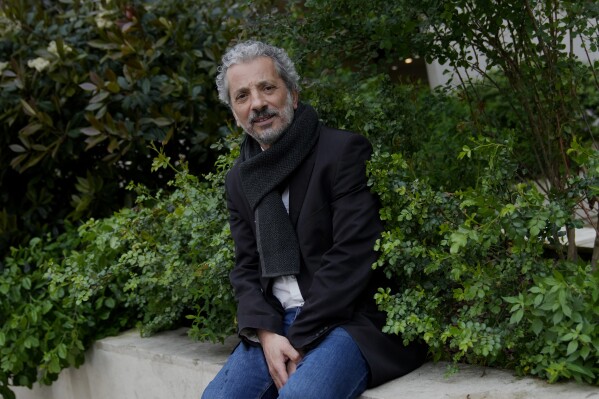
(291, 367)
(293, 355)
(279, 374)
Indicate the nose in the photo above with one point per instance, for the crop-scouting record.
(258, 101)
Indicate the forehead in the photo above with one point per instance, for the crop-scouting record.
(252, 73)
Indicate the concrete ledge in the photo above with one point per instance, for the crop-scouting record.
(170, 365)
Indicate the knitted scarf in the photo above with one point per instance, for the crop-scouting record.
(262, 174)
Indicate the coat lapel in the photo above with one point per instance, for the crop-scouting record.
(298, 185)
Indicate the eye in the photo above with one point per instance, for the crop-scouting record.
(269, 89)
(241, 97)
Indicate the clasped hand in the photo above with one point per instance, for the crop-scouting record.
(282, 358)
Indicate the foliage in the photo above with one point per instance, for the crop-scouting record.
(560, 337)
(532, 44)
(153, 265)
(475, 250)
(214, 313)
(477, 283)
(428, 127)
(43, 329)
(86, 85)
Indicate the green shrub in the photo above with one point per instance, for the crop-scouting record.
(155, 256)
(558, 324)
(477, 282)
(152, 266)
(43, 328)
(86, 85)
(429, 128)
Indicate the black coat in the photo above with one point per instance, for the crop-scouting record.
(336, 220)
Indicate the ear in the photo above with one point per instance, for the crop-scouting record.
(295, 97)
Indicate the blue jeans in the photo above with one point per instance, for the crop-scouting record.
(335, 369)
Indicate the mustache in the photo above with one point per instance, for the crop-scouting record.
(264, 113)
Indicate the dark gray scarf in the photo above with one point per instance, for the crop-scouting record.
(262, 174)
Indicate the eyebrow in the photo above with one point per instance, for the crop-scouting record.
(260, 84)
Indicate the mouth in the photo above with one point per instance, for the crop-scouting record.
(262, 119)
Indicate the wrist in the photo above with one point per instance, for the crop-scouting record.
(263, 334)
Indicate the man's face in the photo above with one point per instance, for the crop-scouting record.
(260, 101)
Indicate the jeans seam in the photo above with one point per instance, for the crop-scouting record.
(358, 388)
(268, 386)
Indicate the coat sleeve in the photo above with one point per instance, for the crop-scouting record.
(254, 310)
(340, 280)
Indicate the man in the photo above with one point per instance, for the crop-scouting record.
(304, 224)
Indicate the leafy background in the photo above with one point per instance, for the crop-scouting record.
(114, 150)
(86, 85)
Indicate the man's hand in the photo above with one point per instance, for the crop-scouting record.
(281, 357)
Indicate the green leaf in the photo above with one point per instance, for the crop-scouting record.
(27, 108)
(103, 45)
(98, 98)
(62, 351)
(517, 316)
(458, 240)
(30, 129)
(26, 283)
(557, 317)
(567, 337)
(466, 152)
(511, 299)
(585, 352)
(583, 337)
(90, 131)
(579, 369)
(4, 288)
(94, 106)
(537, 326)
(88, 86)
(17, 148)
(113, 87)
(538, 300)
(507, 210)
(33, 316)
(34, 161)
(162, 121)
(54, 364)
(95, 140)
(110, 303)
(31, 342)
(46, 307)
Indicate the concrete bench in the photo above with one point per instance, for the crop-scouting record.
(171, 365)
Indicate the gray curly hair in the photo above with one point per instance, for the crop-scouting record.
(248, 51)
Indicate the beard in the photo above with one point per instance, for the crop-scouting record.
(269, 136)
